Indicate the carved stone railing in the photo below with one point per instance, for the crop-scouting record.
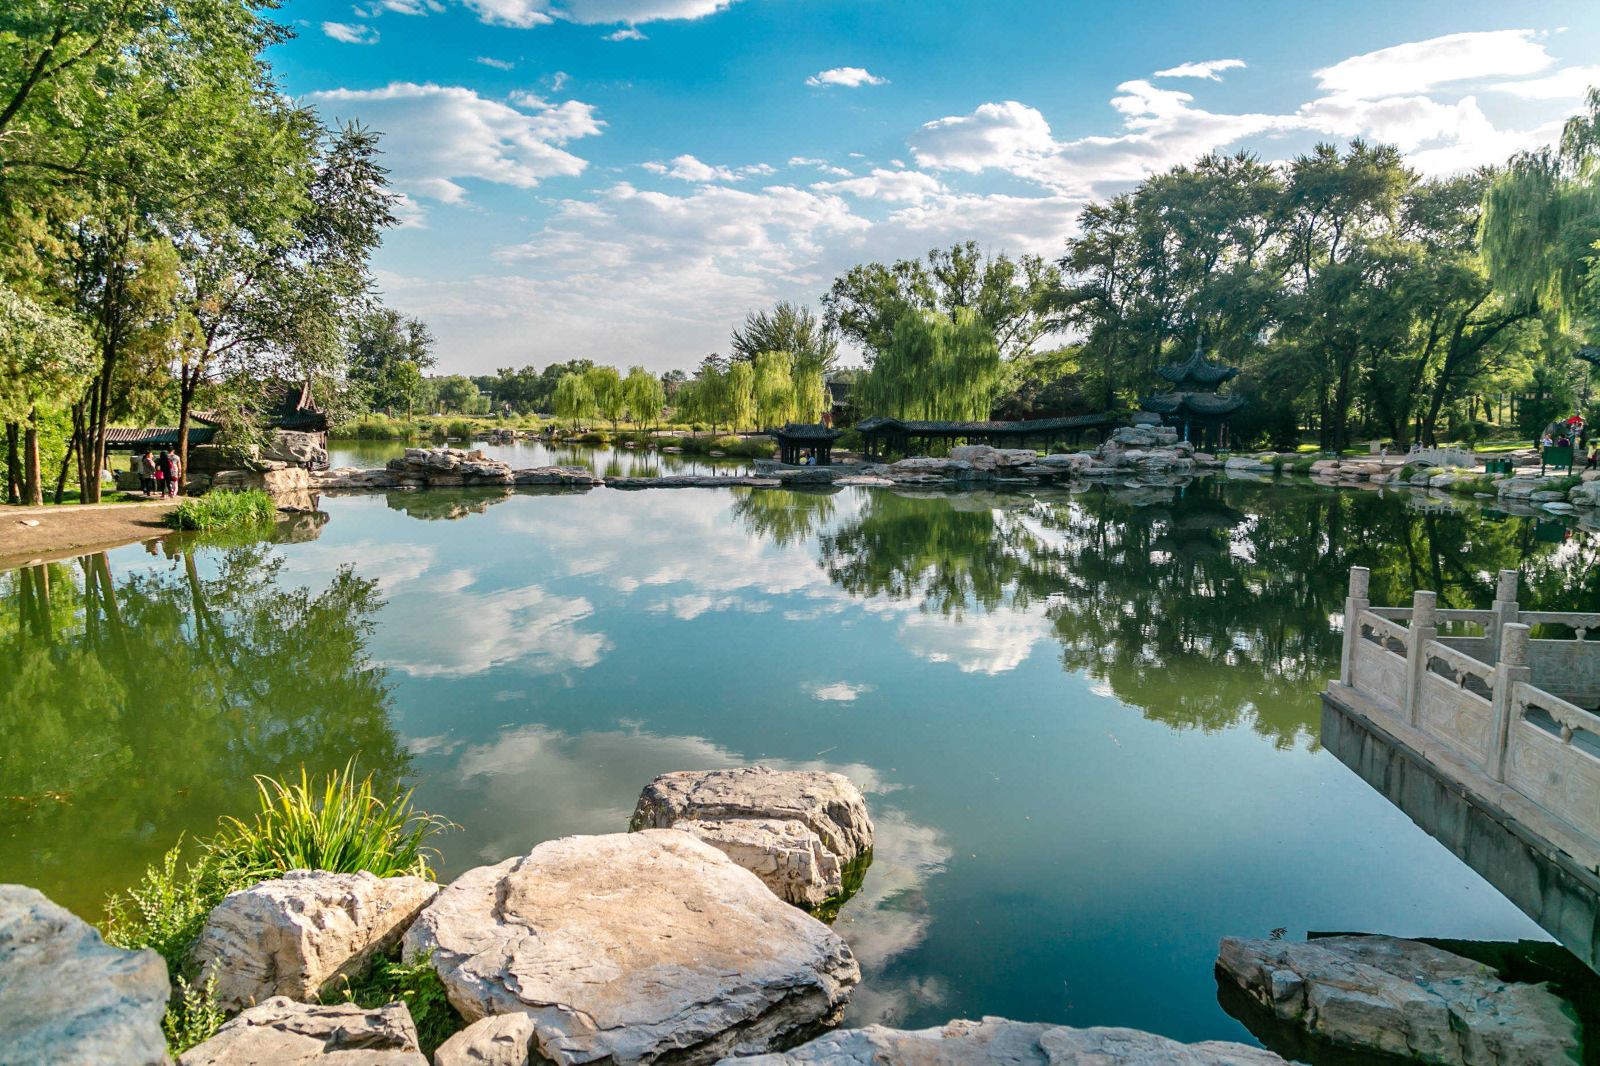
(1502, 704)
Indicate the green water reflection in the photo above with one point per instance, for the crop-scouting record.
(1085, 721)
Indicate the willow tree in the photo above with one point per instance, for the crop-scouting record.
(572, 399)
(46, 358)
(935, 367)
(1541, 224)
(810, 390)
(774, 389)
(605, 387)
(644, 395)
(739, 399)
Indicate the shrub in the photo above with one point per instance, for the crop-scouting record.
(459, 429)
(346, 828)
(193, 1015)
(223, 510)
(414, 983)
(166, 909)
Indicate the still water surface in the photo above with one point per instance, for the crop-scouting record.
(1085, 723)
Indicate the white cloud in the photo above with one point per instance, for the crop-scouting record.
(1569, 83)
(524, 14)
(1420, 66)
(627, 33)
(838, 691)
(436, 135)
(497, 64)
(1210, 69)
(688, 168)
(894, 186)
(404, 7)
(351, 34)
(847, 77)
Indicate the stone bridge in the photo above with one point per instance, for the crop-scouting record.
(1479, 730)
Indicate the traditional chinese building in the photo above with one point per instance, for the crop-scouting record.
(1194, 405)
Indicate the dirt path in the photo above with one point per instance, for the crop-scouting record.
(74, 529)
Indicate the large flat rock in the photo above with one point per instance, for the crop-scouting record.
(1405, 998)
(68, 997)
(827, 803)
(634, 948)
(787, 855)
(293, 935)
(281, 1032)
(998, 1041)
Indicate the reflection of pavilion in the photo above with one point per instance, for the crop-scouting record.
(1194, 403)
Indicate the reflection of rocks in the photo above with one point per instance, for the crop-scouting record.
(285, 1033)
(67, 997)
(693, 481)
(301, 525)
(444, 504)
(1404, 998)
(632, 947)
(998, 1041)
(292, 935)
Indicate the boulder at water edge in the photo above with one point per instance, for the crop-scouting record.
(787, 808)
(294, 934)
(498, 1040)
(1378, 993)
(66, 996)
(634, 948)
(997, 1041)
(281, 1032)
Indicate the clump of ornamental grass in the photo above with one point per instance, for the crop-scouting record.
(340, 823)
(223, 510)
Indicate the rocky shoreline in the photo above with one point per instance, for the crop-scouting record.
(685, 940)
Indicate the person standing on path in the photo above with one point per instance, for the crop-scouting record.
(176, 480)
(147, 473)
(164, 474)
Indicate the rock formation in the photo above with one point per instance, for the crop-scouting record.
(1006, 1043)
(794, 829)
(498, 1040)
(293, 935)
(68, 997)
(281, 1032)
(1404, 998)
(634, 948)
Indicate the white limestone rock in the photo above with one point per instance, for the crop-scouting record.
(787, 855)
(827, 803)
(68, 997)
(498, 1040)
(1586, 494)
(634, 948)
(1401, 997)
(293, 935)
(281, 1032)
(556, 475)
(1007, 1043)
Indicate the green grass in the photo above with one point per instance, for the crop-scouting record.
(223, 510)
(416, 984)
(340, 823)
(738, 447)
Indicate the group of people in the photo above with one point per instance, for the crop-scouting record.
(160, 475)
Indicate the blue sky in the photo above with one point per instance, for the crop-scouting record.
(623, 179)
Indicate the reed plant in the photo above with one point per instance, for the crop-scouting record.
(341, 824)
(223, 510)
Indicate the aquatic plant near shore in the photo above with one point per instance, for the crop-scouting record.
(342, 825)
(223, 510)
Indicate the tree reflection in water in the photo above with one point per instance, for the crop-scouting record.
(139, 708)
(1205, 606)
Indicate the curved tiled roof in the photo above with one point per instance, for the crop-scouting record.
(1197, 370)
(1027, 426)
(1204, 404)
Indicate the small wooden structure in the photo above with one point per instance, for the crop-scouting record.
(294, 410)
(883, 436)
(797, 438)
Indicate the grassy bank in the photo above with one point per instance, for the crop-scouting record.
(223, 510)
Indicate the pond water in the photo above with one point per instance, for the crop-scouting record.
(1086, 723)
(607, 461)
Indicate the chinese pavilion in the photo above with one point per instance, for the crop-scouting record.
(1194, 405)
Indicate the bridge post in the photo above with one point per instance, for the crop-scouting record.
(1511, 666)
(1423, 629)
(1505, 608)
(1355, 602)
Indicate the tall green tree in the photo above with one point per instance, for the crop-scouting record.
(934, 368)
(788, 327)
(46, 357)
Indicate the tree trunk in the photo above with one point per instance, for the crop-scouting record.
(32, 481)
(13, 464)
(186, 389)
(66, 462)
